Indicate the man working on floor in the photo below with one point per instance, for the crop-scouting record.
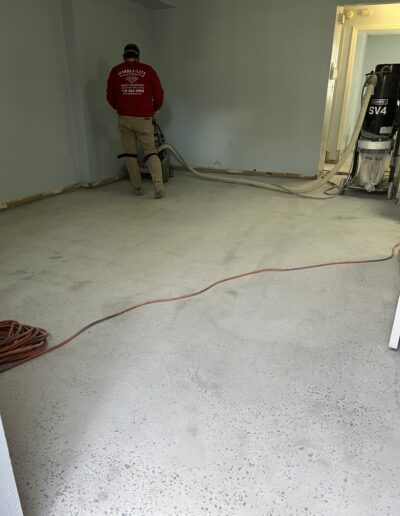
(135, 92)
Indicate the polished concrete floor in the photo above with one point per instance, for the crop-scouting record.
(272, 395)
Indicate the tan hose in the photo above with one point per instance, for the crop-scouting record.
(224, 179)
(301, 188)
(318, 183)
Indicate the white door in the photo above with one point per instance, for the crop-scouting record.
(9, 500)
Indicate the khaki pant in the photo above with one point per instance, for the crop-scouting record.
(138, 129)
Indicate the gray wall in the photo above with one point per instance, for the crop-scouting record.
(102, 28)
(37, 149)
(56, 128)
(246, 81)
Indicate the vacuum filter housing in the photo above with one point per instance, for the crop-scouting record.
(380, 118)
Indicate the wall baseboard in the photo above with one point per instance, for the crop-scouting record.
(102, 182)
(256, 173)
(96, 184)
(58, 191)
(38, 197)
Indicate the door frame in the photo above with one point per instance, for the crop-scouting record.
(333, 71)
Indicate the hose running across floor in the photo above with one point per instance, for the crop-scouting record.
(302, 190)
(20, 343)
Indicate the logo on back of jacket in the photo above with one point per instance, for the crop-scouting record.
(132, 87)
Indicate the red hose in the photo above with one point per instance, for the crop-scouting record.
(20, 343)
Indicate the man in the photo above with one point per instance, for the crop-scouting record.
(135, 92)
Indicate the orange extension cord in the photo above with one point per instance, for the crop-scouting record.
(20, 343)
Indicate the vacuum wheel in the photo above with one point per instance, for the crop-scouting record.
(342, 186)
(166, 168)
(390, 192)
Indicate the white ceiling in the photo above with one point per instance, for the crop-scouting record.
(156, 4)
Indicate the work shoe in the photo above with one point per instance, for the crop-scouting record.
(158, 190)
(138, 191)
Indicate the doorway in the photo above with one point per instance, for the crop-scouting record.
(364, 36)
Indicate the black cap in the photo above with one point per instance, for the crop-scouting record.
(131, 50)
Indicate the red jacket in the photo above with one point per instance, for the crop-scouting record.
(134, 89)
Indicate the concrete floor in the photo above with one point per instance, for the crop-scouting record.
(273, 395)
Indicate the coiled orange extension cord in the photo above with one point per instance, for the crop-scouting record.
(20, 342)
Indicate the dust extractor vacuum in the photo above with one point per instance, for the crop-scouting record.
(379, 138)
